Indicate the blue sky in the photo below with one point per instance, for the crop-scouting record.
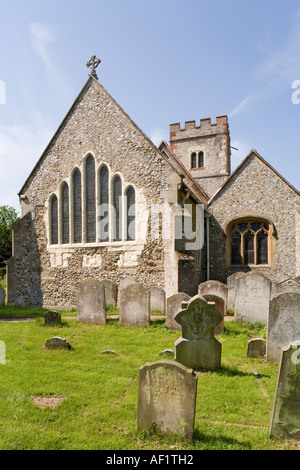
(164, 61)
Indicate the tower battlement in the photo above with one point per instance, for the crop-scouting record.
(221, 125)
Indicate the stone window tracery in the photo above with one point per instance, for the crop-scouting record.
(97, 208)
(249, 242)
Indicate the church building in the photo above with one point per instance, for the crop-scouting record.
(104, 202)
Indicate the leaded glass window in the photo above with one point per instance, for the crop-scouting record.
(117, 205)
(65, 217)
(77, 207)
(90, 200)
(130, 216)
(104, 204)
(249, 243)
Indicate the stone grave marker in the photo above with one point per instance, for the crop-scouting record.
(173, 306)
(57, 343)
(91, 306)
(157, 299)
(256, 347)
(2, 296)
(198, 349)
(232, 282)
(111, 292)
(134, 304)
(167, 398)
(288, 285)
(252, 298)
(285, 420)
(52, 318)
(283, 323)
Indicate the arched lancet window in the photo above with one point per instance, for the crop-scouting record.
(117, 205)
(54, 220)
(200, 160)
(104, 204)
(193, 160)
(90, 199)
(249, 242)
(65, 217)
(77, 207)
(130, 214)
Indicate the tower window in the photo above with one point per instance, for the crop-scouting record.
(200, 160)
(197, 160)
(193, 160)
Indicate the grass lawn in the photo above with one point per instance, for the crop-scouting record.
(98, 406)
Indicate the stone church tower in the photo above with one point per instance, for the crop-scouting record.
(204, 150)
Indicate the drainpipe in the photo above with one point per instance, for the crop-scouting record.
(207, 216)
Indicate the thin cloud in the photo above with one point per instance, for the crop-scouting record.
(242, 106)
(41, 36)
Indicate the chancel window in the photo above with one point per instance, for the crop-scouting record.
(65, 214)
(249, 242)
(95, 208)
(54, 220)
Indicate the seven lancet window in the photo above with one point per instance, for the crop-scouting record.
(92, 209)
(249, 242)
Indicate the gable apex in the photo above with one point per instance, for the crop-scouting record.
(253, 153)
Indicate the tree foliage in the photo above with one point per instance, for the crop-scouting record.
(8, 217)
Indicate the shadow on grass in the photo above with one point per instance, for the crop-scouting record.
(219, 441)
(234, 372)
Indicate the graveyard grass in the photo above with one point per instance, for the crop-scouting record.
(100, 391)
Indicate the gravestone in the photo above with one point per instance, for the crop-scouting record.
(2, 296)
(288, 285)
(232, 282)
(157, 299)
(173, 306)
(198, 349)
(167, 398)
(252, 298)
(134, 304)
(111, 292)
(256, 347)
(57, 343)
(91, 306)
(127, 281)
(285, 420)
(52, 318)
(283, 323)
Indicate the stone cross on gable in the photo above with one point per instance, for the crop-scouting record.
(93, 64)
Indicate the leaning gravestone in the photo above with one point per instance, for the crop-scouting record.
(198, 348)
(252, 298)
(285, 421)
(232, 282)
(167, 398)
(52, 318)
(111, 292)
(283, 324)
(2, 296)
(157, 299)
(173, 306)
(134, 304)
(91, 307)
(57, 343)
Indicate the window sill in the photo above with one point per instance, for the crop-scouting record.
(93, 245)
(250, 266)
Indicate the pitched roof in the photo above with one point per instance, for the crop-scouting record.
(163, 150)
(253, 152)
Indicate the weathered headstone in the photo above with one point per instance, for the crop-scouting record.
(52, 318)
(288, 285)
(216, 289)
(134, 304)
(283, 323)
(173, 306)
(252, 298)
(125, 282)
(167, 398)
(57, 343)
(285, 421)
(2, 296)
(232, 282)
(91, 306)
(157, 299)
(198, 349)
(256, 347)
(111, 292)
